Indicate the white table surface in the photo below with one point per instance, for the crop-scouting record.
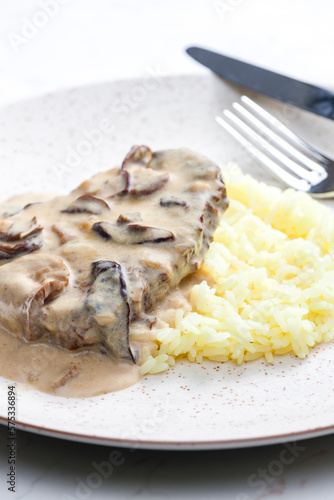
(85, 42)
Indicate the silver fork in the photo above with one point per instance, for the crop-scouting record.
(285, 155)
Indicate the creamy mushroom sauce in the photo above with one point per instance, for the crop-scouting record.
(83, 277)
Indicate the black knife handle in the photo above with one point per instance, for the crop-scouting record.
(280, 87)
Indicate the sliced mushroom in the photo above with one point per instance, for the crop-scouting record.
(139, 181)
(46, 293)
(127, 180)
(142, 182)
(16, 209)
(132, 234)
(171, 201)
(87, 204)
(107, 303)
(19, 230)
(31, 204)
(22, 248)
(103, 230)
(147, 234)
(26, 285)
(138, 155)
(146, 182)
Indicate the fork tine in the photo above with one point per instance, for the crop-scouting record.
(264, 160)
(289, 164)
(276, 139)
(293, 138)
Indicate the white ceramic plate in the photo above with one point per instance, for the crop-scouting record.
(191, 406)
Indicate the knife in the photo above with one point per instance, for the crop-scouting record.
(280, 87)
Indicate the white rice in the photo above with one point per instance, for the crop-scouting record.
(272, 266)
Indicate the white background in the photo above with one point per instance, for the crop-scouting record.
(92, 41)
(83, 42)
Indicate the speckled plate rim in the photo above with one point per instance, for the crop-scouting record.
(175, 445)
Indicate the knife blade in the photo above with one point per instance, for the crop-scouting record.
(280, 87)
